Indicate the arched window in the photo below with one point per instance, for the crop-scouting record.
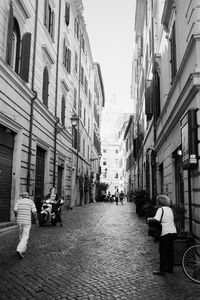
(18, 50)
(63, 111)
(15, 47)
(45, 89)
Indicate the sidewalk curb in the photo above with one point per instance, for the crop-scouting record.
(8, 228)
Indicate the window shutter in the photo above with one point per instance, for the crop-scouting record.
(45, 89)
(67, 13)
(69, 61)
(148, 100)
(79, 141)
(53, 26)
(63, 111)
(25, 56)
(46, 13)
(9, 35)
(156, 94)
(173, 52)
(64, 52)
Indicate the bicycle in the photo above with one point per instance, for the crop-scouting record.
(191, 263)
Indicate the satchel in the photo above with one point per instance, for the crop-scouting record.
(155, 227)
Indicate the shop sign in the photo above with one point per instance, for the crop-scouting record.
(188, 128)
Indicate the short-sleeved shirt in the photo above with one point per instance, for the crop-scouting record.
(167, 222)
(24, 207)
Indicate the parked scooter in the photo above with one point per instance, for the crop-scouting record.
(51, 210)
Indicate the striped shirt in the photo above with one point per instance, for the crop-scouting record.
(24, 207)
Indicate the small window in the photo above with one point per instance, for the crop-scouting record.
(67, 13)
(83, 44)
(116, 175)
(45, 89)
(49, 19)
(76, 28)
(116, 151)
(104, 150)
(104, 163)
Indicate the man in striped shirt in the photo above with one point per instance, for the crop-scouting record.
(22, 210)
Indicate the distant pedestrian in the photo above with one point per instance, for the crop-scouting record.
(23, 209)
(121, 197)
(117, 196)
(166, 242)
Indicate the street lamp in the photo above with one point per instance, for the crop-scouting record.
(99, 157)
(74, 120)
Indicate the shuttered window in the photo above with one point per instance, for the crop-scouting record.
(20, 64)
(173, 52)
(148, 99)
(66, 57)
(25, 56)
(63, 111)
(67, 13)
(45, 89)
(49, 19)
(10, 35)
(75, 98)
(156, 95)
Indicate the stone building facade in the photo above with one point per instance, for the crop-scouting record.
(168, 100)
(47, 76)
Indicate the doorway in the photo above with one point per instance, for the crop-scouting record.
(179, 190)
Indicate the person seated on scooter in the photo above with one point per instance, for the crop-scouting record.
(55, 199)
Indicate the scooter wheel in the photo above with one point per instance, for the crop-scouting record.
(41, 219)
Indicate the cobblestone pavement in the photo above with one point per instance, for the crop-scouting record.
(102, 252)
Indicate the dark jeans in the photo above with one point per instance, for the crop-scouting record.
(166, 249)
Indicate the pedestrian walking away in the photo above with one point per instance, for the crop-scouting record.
(121, 197)
(168, 234)
(23, 209)
(117, 196)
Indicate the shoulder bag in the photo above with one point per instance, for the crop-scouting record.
(155, 227)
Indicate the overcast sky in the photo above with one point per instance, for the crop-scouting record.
(110, 26)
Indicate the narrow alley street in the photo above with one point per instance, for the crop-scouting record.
(102, 252)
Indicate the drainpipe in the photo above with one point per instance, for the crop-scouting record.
(154, 169)
(190, 202)
(56, 98)
(32, 101)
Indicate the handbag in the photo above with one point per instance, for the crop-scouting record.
(155, 227)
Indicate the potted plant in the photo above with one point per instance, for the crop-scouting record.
(140, 199)
(184, 239)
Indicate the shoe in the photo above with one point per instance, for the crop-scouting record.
(20, 255)
(158, 273)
